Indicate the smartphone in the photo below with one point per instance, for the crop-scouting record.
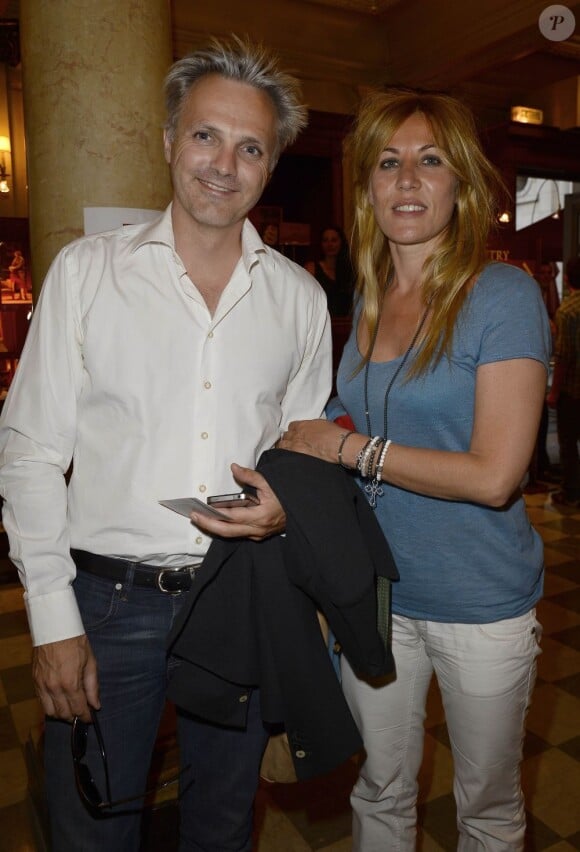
(247, 497)
(186, 505)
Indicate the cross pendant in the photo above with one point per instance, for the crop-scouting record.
(374, 490)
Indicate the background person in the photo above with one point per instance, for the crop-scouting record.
(546, 278)
(242, 346)
(17, 270)
(564, 394)
(446, 366)
(270, 235)
(334, 271)
(541, 467)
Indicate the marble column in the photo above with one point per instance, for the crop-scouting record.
(92, 80)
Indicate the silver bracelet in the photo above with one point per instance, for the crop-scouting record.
(344, 438)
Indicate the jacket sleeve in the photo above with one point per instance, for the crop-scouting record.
(335, 555)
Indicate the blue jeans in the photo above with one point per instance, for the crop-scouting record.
(127, 628)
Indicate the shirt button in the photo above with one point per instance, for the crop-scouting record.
(198, 540)
(243, 699)
(203, 488)
(300, 753)
(204, 435)
(207, 385)
(210, 335)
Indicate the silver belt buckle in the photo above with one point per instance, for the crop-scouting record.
(190, 569)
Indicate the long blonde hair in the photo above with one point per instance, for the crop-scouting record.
(461, 252)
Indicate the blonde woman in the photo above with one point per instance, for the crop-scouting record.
(443, 378)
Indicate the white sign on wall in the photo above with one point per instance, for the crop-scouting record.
(99, 219)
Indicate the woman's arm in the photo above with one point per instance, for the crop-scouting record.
(508, 402)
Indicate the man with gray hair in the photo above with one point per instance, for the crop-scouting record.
(162, 360)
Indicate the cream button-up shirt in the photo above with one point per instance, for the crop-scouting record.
(127, 375)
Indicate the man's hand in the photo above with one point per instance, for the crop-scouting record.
(65, 676)
(253, 522)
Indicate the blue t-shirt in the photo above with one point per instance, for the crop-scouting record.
(458, 561)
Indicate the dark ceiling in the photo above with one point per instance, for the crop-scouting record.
(491, 52)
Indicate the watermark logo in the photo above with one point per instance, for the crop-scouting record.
(557, 23)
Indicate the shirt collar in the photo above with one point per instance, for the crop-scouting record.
(252, 246)
(160, 231)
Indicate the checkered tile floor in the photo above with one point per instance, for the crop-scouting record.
(315, 815)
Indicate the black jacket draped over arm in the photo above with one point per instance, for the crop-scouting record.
(250, 620)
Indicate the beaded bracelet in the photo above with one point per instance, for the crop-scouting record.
(374, 487)
(343, 440)
(365, 457)
(359, 458)
(379, 441)
(381, 462)
(368, 454)
(375, 451)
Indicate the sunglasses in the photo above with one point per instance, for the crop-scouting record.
(86, 785)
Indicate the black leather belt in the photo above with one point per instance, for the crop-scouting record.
(171, 581)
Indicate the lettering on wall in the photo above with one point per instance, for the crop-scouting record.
(498, 254)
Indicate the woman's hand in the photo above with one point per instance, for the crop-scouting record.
(321, 439)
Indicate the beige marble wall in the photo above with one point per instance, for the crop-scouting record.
(93, 75)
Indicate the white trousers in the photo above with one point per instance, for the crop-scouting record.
(486, 673)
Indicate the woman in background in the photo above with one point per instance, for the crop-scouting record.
(334, 271)
(443, 378)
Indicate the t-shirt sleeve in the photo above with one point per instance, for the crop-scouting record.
(509, 317)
